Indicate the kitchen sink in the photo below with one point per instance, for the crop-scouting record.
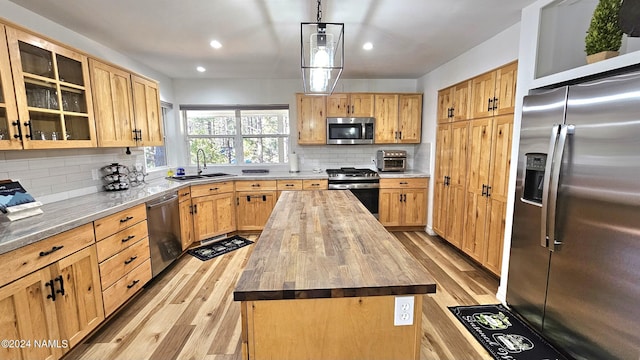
(194, 177)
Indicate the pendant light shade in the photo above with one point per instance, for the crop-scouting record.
(321, 56)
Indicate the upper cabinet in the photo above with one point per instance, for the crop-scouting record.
(493, 93)
(454, 103)
(350, 105)
(398, 118)
(9, 124)
(312, 119)
(127, 107)
(52, 92)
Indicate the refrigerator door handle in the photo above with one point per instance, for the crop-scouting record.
(545, 186)
(565, 130)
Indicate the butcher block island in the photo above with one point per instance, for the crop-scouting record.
(323, 282)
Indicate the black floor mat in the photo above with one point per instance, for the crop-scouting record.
(503, 334)
(218, 248)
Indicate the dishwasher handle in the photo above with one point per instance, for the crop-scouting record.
(162, 202)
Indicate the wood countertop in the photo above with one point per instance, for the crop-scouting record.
(326, 244)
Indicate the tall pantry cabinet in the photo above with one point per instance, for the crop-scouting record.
(473, 150)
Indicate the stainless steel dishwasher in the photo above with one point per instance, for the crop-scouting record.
(163, 221)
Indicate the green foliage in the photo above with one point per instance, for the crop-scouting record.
(604, 32)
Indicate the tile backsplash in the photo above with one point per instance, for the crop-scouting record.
(54, 175)
(332, 156)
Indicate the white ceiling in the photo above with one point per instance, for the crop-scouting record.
(261, 38)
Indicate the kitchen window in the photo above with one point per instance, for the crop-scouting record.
(238, 135)
(156, 156)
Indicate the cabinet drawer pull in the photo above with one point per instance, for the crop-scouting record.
(53, 249)
(255, 185)
(61, 281)
(133, 284)
(404, 183)
(185, 194)
(51, 296)
(126, 219)
(131, 259)
(128, 238)
(213, 189)
(289, 185)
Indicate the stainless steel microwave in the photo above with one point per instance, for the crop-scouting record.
(355, 130)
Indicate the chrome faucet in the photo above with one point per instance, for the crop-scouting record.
(204, 160)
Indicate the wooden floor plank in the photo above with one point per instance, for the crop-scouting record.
(188, 311)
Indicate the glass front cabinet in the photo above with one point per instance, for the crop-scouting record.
(52, 95)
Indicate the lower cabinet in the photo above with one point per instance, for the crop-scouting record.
(254, 202)
(403, 202)
(213, 215)
(57, 305)
(123, 255)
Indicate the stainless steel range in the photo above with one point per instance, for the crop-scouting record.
(363, 183)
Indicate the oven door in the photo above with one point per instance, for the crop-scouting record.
(367, 191)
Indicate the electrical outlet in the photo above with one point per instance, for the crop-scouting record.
(94, 174)
(403, 311)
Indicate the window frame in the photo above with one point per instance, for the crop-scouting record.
(284, 138)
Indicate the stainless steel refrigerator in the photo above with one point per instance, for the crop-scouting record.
(574, 270)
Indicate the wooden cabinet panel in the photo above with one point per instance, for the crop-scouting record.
(185, 194)
(457, 183)
(492, 257)
(79, 301)
(445, 104)
(213, 215)
(115, 267)
(53, 96)
(121, 220)
(27, 314)
(28, 258)
(338, 105)
(8, 107)
(461, 107)
(187, 235)
(493, 93)
(118, 293)
(386, 114)
(312, 122)
(410, 118)
(289, 185)
(112, 105)
(475, 221)
(403, 202)
(256, 185)
(315, 184)
(440, 188)
(147, 112)
(254, 208)
(211, 189)
(119, 241)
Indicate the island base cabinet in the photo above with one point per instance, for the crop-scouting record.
(333, 328)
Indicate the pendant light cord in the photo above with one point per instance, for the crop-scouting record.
(319, 17)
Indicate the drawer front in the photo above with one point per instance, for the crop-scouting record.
(123, 289)
(121, 240)
(211, 189)
(318, 184)
(30, 258)
(258, 185)
(112, 224)
(289, 184)
(115, 267)
(184, 194)
(412, 183)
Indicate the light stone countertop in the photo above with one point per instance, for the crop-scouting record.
(404, 174)
(68, 214)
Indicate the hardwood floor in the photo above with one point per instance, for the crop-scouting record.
(188, 312)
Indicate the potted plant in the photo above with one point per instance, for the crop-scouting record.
(604, 36)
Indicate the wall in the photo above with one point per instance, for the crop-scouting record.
(497, 51)
(54, 175)
(276, 91)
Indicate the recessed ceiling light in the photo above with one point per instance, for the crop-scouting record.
(215, 44)
(201, 69)
(367, 46)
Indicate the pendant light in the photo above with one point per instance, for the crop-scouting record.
(321, 55)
